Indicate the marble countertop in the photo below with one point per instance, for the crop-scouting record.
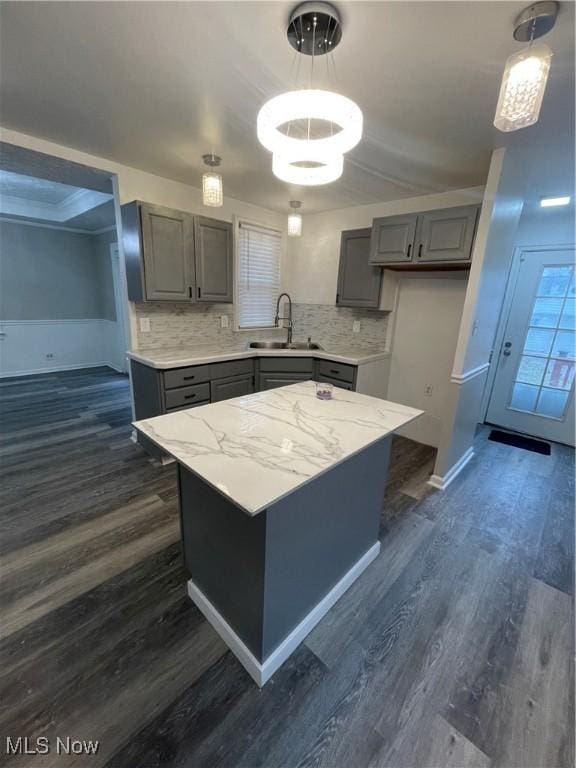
(258, 448)
(178, 357)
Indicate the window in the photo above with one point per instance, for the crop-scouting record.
(257, 275)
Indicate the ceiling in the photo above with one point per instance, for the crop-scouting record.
(35, 199)
(157, 85)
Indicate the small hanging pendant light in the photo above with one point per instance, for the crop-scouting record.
(212, 192)
(295, 220)
(526, 71)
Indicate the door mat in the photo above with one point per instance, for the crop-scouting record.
(520, 441)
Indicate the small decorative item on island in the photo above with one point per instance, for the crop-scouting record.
(324, 390)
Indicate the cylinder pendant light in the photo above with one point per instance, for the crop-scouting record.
(212, 191)
(295, 220)
(526, 71)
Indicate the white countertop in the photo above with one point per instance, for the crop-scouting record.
(178, 357)
(261, 447)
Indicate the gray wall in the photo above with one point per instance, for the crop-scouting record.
(51, 274)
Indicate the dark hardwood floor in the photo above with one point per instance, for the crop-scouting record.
(454, 649)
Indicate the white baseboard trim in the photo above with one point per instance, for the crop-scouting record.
(442, 482)
(57, 369)
(262, 672)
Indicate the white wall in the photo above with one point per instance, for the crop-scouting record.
(427, 320)
(312, 270)
(491, 260)
(546, 226)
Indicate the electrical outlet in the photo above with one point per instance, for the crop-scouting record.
(428, 390)
(223, 321)
(145, 324)
(49, 355)
(356, 326)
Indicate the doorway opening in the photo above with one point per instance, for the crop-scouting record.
(63, 302)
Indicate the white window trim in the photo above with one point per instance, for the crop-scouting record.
(236, 220)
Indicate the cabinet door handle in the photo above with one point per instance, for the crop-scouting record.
(334, 370)
(188, 378)
(337, 298)
(420, 251)
(409, 251)
(189, 397)
(190, 292)
(199, 292)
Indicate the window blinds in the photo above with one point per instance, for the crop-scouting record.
(258, 276)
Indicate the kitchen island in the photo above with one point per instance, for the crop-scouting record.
(280, 501)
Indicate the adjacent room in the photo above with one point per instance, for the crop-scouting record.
(287, 373)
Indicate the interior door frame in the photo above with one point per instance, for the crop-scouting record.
(120, 300)
(505, 310)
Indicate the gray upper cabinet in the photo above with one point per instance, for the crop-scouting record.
(446, 235)
(392, 239)
(358, 280)
(213, 257)
(175, 256)
(168, 250)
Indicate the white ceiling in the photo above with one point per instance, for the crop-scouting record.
(155, 85)
(38, 200)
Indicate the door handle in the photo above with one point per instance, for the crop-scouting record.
(506, 353)
(409, 251)
(420, 251)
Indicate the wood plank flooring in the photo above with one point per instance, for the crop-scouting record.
(453, 650)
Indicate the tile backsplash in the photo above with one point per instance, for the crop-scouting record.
(174, 325)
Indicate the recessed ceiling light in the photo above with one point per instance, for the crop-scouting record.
(550, 202)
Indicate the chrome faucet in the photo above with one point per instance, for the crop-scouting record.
(288, 319)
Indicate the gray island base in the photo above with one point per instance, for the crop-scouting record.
(280, 503)
(264, 582)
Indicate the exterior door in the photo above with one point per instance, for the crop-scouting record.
(358, 280)
(533, 390)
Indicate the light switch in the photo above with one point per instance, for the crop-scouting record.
(356, 326)
(223, 321)
(145, 324)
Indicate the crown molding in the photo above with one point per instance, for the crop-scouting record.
(77, 203)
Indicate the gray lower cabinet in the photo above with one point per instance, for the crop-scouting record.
(235, 386)
(213, 249)
(442, 237)
(337, 382)
(157, 392)
(282, 371)
(175, 256)
(272, 380)
(392, 239)
(358, 280)
(446, 235)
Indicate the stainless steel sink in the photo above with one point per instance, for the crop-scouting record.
(303, 345)
(268, 345)
(283, 345)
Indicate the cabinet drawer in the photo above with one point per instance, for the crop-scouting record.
(287, 364)
(188, 406)
(232, 368)
(187, 395)
(337, 383)
(184, 377)
(335, 370)
(273, 380)
(224, 389)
